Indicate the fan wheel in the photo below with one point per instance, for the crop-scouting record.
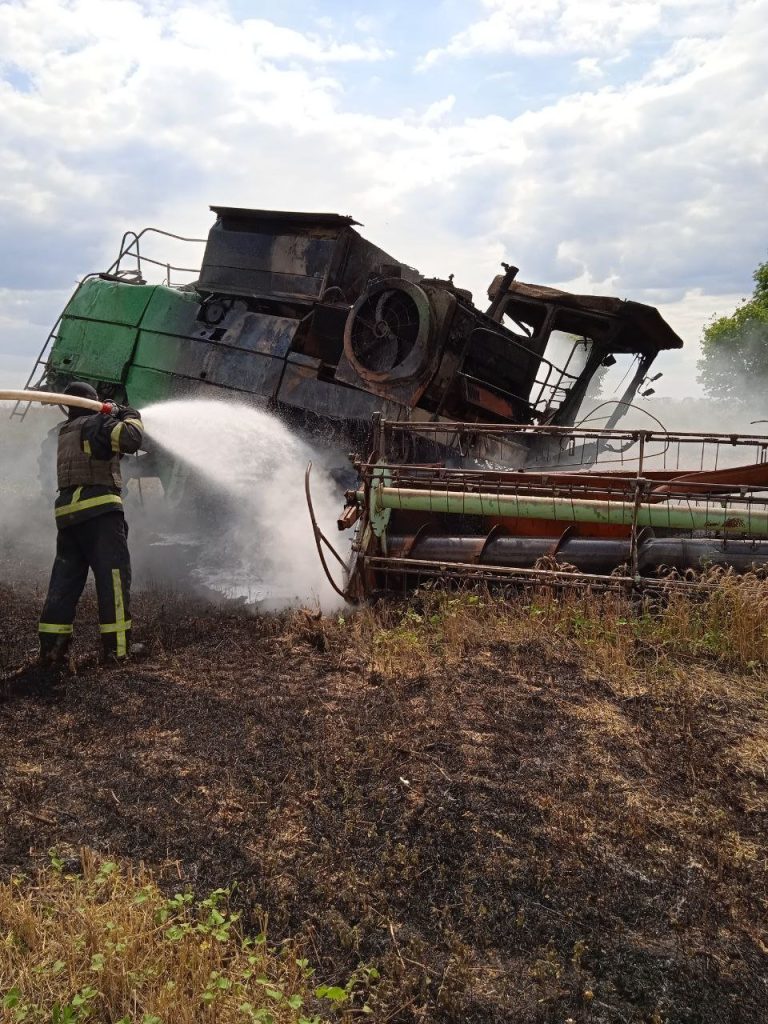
(387, 330)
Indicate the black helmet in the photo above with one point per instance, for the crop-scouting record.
(80, 389)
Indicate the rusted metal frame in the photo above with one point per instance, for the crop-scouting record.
(377, 438)
(528, 488)
(563, 371)
(575, 396)
(623, 489)
(558, 387)
(450, 383)
(473, 569)
(469, 571)
(644, 364)
(498, 304)
(321, 539)
(457, 480)
(514, 343)
(40, 360)
(639, 488)
(495, 387)
(125, 250)
(428, 426)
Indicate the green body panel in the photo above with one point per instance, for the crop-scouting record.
(145, 387)
(109, 301)
(157, 351)
(93, 350)
(170, 311)
(122, 334)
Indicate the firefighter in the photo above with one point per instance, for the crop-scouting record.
(91, 529)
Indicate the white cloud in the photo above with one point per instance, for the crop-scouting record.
(589, 67)
(439, 109)
(579, 26)
(116, 114)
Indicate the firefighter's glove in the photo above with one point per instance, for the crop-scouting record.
(127, 412)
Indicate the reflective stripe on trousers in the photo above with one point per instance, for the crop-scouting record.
(98, 543)
(121, 625)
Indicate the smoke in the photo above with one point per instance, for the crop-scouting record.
(735, 363)
(685, 414)
(232, 523)
(27, 491)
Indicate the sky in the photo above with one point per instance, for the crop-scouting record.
(606, 146)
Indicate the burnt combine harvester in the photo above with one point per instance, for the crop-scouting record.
(482, 466)
(299, 313)
(608, 508)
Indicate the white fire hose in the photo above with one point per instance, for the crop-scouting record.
(52, 398)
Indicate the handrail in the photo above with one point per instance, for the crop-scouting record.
(126, 250)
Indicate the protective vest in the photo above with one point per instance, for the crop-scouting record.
(75, 466)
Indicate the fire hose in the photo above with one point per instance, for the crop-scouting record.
(55, 398)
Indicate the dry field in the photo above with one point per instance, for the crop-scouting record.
(540, 809)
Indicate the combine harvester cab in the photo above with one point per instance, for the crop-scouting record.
(606, 508)
(298, 313)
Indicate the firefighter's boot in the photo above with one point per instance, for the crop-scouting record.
(110, 657)
(54, 652)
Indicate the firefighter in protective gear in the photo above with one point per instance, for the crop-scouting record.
(92, 532)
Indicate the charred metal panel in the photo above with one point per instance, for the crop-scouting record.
(249, 257)
(301, 389)
(356, 260)
(208, 361)
(641, 328)
(259, 332)
(145, 387)
(257, 374)
(293, 255)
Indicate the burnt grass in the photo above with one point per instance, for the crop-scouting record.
(520, 833)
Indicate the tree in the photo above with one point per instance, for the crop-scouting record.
(734, 363)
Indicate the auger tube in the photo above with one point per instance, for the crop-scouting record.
(54, 398)
(747, 521)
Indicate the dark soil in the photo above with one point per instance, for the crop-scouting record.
(510, 838)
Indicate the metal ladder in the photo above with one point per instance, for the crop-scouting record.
(21, 409)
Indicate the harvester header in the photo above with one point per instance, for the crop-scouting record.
(592, 507)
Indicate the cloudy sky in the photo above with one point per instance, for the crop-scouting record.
(616, 146)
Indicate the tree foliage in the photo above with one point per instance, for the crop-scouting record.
(734, 363)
